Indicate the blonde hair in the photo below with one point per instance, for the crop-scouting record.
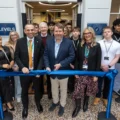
(10, 41)
(90, 29)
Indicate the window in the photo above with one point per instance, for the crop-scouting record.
(115, 11)
(29, 13)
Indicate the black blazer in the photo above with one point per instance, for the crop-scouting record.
(22, 57)
(94, 58)
(65, 55)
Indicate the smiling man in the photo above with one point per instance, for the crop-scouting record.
(28, 56)
(58, 55)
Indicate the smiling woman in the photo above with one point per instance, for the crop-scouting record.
(6, 63)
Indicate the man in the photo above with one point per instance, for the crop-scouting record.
(69, 26)
(116, 37)
(51, 28)
(28, 56)
(36, 29)
(75, 40)
(110, 55)
(44, 36)
(58, 55)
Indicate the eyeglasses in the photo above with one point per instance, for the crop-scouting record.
(88, 33)
(13, 35)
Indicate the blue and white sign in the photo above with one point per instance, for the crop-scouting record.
(98, 27)
(5, 28)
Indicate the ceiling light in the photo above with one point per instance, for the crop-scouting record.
(47, 4)
(55, 10)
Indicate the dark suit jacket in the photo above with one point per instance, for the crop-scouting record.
(65, 55)
(22, 57)
(94, 58)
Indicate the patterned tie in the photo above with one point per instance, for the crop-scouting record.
(30, 54)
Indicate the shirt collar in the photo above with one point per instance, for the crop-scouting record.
(44, 35)
(59, 42)
(30, 39)
(108, 41)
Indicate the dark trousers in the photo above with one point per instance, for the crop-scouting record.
(105, 87)
(6, 89)
(48, 84)
(25, 83)
(71, 83)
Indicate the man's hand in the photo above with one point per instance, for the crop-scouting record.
(6, 66)
(48, 69)
(105, 68)
(95, 79)
(57, 66)
(15, 68)
(25, 70)
(77, 76)
(72, 66)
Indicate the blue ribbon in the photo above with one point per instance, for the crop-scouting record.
(111, 75)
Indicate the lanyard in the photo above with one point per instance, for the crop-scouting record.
(74, 45)
(117, 38)
(86, 52)
(107, 50)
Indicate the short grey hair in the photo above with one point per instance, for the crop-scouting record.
(43, 24)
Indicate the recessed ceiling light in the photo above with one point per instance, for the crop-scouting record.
(55, 10)
(48, 4)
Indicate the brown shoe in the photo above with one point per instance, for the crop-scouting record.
(96, 101)
(105, 102)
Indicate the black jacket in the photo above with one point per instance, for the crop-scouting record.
(116, 37)
(22, 57)
(94, 58)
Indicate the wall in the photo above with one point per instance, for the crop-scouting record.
(37, 19)
(10, 13)
(95, 11)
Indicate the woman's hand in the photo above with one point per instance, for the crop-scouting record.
(6, 66)
(72, 66)
(15, 68)
(77, 77)
(95, 79)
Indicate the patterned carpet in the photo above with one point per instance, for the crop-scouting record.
(91, 114)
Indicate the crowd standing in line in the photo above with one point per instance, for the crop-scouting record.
(58, 46)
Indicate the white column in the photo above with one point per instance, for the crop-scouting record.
(10, 13)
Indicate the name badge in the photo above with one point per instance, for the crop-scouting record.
(85, 67)
(106, 58)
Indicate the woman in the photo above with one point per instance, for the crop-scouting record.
(6, 63)
(66, 32)
(13, 36)
(89, 59)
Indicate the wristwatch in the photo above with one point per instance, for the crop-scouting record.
(109, 66)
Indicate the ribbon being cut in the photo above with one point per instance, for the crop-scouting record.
(111, 75)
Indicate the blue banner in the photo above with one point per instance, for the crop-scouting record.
(98, 27)
(5, 28)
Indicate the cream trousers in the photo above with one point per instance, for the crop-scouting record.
(62, 85)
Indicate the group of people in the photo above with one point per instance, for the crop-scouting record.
(57, 47)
